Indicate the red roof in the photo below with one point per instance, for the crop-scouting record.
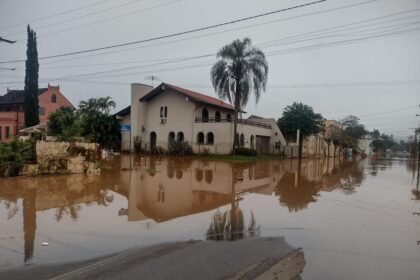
(194, 96)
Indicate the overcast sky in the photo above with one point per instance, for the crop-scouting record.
(341, 57)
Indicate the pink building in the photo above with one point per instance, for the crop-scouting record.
(12, 117)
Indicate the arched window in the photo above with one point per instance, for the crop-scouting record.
(161, 112)
(171, 137)
(178, 173)
(205, 115)
(166, 111)
(217, 116)
(199, 175)
(180, 137)
(208, 176)
(210, 138)
(53, 98)
(200, 138)
(252, 142)
(229, 117)
(242, 140)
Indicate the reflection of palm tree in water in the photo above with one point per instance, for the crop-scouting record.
(230, 225)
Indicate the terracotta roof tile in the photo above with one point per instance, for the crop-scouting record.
(194, 96)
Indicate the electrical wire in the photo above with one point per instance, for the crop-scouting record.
(106, 19)
(176, 34)
(230, 30)
(53, 15)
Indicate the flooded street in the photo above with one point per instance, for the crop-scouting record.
(353, 220)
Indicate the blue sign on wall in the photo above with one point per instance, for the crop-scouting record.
(125, 127)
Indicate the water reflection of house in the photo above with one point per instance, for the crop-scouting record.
(163, 190)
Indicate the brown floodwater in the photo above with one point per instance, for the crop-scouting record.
(353, 220)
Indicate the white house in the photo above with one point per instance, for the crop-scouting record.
(167, 112)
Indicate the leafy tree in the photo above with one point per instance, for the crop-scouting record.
(382, 142)
(300, 116)
(92, 121)
(97, 125)
(240, 70)
(31, 102)
(64, 123)
(353, 130)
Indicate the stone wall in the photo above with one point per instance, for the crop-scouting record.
(64, 158)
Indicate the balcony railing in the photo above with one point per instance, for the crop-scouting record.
(240, 121)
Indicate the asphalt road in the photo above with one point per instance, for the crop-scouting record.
(251, 258)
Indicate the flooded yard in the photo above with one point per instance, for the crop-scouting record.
(353, 220)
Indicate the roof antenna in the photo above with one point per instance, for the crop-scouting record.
(152, 78)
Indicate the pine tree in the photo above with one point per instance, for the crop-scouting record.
(31, 103)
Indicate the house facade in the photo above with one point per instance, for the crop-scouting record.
(12, 116)
(326, 143)
(166, 113)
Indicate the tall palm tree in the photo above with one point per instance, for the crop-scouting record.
(105, 104)
(240, 70)
(87, 106)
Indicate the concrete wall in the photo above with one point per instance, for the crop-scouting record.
(64, 158)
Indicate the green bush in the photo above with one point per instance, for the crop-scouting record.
(179, 148)
(13, 156)
(241, 151)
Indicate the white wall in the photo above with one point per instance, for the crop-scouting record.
(180, 118)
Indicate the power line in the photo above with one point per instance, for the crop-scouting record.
(207, 55)
(234, 29)
(176, 34)
(387, 112)
(268, 43)
(107, 19)
(75, 18)
(54, 15)
(273, 53)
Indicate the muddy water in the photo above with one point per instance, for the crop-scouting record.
(354, 220)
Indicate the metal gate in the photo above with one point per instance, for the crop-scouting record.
(263, 144)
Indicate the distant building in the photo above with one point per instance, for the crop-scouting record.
(168, 113)
(327, 143)
(12, 116)
(364, 144)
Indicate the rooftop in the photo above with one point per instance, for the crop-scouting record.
(17, 96)
(192, 95)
